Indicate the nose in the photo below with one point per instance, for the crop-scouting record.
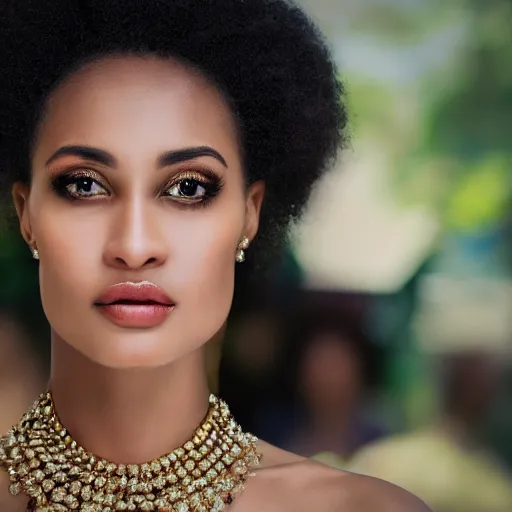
(136, 241)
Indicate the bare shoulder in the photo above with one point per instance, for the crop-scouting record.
(9, 503)
(293, 483)
(365, 494)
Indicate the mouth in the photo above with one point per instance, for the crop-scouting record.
(130, 302)
(136, 305)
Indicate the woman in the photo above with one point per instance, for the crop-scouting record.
(140, 139)
(333, 371)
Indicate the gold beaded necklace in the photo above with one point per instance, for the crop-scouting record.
(58, 475)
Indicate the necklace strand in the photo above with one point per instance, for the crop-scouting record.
(203, 475)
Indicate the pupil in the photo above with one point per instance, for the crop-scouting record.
(84, 184)
(188, 187)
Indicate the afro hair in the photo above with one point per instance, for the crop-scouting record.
(266, 56)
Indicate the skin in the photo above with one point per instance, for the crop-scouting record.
(135, 109)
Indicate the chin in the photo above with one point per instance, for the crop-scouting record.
(138, 350)
(123, 352)
(138, 356)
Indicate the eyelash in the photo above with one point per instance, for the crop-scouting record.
(206, 179)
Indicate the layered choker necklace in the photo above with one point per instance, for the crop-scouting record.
(58, 475)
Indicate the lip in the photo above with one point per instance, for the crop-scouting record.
(137, 305)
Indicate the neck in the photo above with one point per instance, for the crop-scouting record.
(128, 416)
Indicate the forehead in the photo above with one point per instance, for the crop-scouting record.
(147, 104)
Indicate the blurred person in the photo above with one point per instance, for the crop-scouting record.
(22, 377)
(333, 380)
(139, 140)
(446, 464)
(331, 373)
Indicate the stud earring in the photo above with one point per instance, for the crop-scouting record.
(35, 253)
(242, 247)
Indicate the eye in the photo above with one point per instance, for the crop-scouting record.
(83, 186)
(194, 188)
(189, 189)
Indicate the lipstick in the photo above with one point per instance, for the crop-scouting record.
(136, 305)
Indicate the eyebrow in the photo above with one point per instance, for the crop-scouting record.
(182, 155)
(168, 158)
(85, 152)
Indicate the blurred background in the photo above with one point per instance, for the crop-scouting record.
(382, 342)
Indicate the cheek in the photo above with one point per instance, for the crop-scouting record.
(71, 248)
(200, 272)
(202, 262)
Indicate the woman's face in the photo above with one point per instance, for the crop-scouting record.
(330, 372)
(137, 178)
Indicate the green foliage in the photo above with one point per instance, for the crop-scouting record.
(483, 196)
(463, 158)
(475, 118)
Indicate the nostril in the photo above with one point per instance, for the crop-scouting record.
(136, 261)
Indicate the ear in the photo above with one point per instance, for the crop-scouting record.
(254, 202)
(20, 195)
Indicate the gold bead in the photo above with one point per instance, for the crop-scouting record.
(242, 247)
(45, 463)
(244, 243)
